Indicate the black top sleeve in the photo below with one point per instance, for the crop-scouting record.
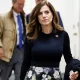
(72, 64)
(66, 48)
(26, 61)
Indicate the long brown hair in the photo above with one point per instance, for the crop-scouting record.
(34, 26)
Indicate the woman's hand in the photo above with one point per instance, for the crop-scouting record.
(73, 75)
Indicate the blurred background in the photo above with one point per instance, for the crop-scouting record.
(70, 14)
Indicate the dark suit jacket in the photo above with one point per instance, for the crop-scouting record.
(60, 20)
(73, 65)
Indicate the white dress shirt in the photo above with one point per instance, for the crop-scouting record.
(17, 26)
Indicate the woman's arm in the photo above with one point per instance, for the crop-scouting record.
(66, 48)
(69, 74)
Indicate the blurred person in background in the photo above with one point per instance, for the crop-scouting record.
(45, 43)
(12, 33)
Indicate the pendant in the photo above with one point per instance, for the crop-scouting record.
(56, 36)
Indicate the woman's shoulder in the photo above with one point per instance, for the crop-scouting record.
(66, 36)
(65, 33)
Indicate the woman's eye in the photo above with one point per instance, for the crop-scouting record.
(39, 13)
(46, 12)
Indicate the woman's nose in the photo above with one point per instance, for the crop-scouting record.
(44, 15)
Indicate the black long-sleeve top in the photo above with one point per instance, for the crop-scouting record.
(46, 51)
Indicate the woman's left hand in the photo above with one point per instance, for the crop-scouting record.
(73, 75)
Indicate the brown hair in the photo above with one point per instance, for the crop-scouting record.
(14, 1)
(34, 26)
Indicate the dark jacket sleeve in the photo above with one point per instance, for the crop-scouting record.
(66, 48)
(60, 20)
(27, 18)
(27, 59)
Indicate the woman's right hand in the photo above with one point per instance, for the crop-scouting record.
(73, 75)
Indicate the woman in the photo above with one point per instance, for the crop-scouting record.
(45, 43)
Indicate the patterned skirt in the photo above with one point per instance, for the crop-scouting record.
(43, 73)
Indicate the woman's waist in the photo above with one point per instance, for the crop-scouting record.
(45, 64)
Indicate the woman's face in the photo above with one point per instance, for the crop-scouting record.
(45, 16)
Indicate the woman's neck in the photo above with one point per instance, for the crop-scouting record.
(47, 29)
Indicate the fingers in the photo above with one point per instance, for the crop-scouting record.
(73, 75)
(76, 74)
